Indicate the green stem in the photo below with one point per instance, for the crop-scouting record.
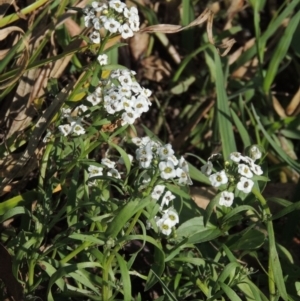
(272, 245)
(16, 16)
(31, 273)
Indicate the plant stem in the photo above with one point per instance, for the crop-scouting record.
(272, 246)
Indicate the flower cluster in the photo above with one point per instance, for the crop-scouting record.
(120, 95)
(109, 169)
(169, 217)
(153, 153)
(74, 125)
(237, 173)
(115, 17)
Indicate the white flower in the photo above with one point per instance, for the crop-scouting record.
(167, 170)
(126, 103)
(114, 173)
(66, 112)
(256, 169)
(81, 109)
(140, 104)
(95, 37)
(184, 177)
(173, 159)
(87, 20)
(218, 178)
(144, 150)
(157, 191)
(207, 168)
(245, 185)
(167, 198)
(135, 87)
(130, 12)
(98, 6)
(94, 99)
(145, 161)
(247, 160)
(111, 25)
(125, 80)
(102, 59)
(129, 117)
(235, 157)
(96, 22)
(112, 96)
(164, 225)
(244, 170)
(226, 198)
(77, 128)
(125, 90)
(172, 215)
(146, 92)
(113, 107)
(137, 141)
(65, 129)
(165, 151)
(134, 25)
(117, 5)
(125, 31)
(108, 163)
(183, 164)
(95, 171)
(146, 140)
(255, 153)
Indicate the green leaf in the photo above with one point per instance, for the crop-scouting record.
(223, 112)
(280, 51)
(287, 210)
(125, 277)
(250, 240)
(231, 294)
(244, 134)
(292, 163)
(196, 232)
(210, 208)
(124, 215)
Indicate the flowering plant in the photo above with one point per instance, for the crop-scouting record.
(111, 211)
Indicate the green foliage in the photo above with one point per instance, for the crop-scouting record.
(80, 228)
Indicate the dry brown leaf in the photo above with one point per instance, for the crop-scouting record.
(4, 5)
(202, 195)
(23, 60)
(169, 28)
(235, 7)
(277, 107)
(155, 68)
(138, 45)
(294, 106)
(207, 15)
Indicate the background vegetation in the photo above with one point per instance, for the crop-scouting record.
(63, 240)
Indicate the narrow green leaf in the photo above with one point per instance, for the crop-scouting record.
(292, 163)
(231, 294)
(124, 215)
(223, 112)
(280, 52)
(244, 134)
(125, 277)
